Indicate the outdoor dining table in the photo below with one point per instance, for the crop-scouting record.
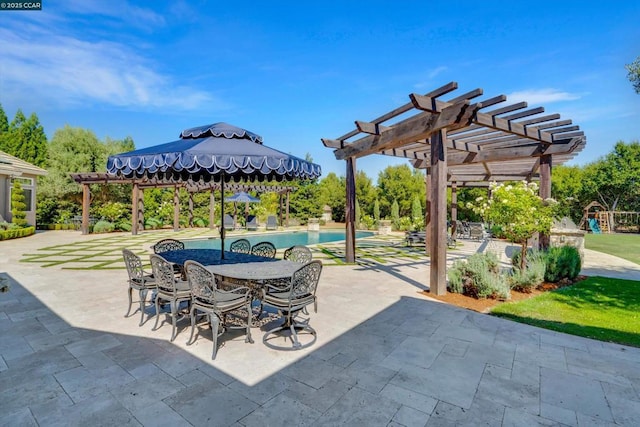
(212, 257)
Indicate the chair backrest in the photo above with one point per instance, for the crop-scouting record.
(242, 246)
(252, 220)
(265, 249)
(272, 222)
(167, 245)
(133, 264)
(201, 281)
(298, 253)
(163, 273)
(304, 281)
(228, 221)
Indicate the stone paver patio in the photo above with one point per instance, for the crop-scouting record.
(386, 355)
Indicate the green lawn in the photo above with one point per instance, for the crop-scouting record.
(600, 308)
(625, 246)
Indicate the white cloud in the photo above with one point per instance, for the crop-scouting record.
(120, 10)
(64, 70)
(431, 74)
(541, 96)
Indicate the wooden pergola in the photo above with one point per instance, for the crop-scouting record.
(192, 187)
(458, 145)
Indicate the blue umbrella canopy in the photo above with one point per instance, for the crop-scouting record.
(242, 197)
(213, 152)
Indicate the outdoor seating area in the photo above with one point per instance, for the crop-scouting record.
(381, 348)
(228, 290)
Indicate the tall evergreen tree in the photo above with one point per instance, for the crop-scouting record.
(24, 138)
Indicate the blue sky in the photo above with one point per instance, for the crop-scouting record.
(295, 72)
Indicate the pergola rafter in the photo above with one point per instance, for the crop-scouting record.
(459, 144)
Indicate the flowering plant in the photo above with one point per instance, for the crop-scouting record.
(518, 209)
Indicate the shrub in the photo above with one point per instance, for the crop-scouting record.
(123, 226)
(15, 232)
(563, 262)
(152, 223)
(103, 227)
(479, 277)
(113, 211)
(18, 206)
(533, 274)
(200, 222)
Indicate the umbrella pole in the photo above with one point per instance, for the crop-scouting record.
(222, 231)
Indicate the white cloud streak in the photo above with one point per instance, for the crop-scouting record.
(63, 70)
(541, 96)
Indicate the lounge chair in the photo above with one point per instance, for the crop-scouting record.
(252, 222)
(272, 223)
(229, 223)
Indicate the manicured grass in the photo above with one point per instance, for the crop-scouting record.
(625, 246)
(601, 308)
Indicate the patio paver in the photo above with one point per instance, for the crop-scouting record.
(386, 355)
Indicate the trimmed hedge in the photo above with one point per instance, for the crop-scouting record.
(16, 233)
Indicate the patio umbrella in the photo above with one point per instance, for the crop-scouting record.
(218, 152)
(241, 197)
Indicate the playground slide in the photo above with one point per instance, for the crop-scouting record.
(593, 224)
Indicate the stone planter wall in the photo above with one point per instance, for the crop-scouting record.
(384, 227)
(568, 237)
(313, 224)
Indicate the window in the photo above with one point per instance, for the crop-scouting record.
(28, 190)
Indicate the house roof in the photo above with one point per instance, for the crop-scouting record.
(13, 166)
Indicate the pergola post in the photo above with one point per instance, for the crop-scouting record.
(350, 211)
(281, 208)
(454, 208)
(212, 209)
(190, 209)
(135, 195)
(176, 208)
(86, 202)
(427, 212)
(287, 213)
(438, 223)
(545, 191)
(140, 208)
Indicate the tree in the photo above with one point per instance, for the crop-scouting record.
(366, 192)
(18, 206)
(395, 214)
(614, 180)
(333, 194)
(400, 184)
(567, 190)
(519, 210)
(417, 217)
(24, 138)
(376, 211)
(633, 75)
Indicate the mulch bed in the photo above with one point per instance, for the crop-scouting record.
(484, 305)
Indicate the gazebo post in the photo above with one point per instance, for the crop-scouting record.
(545, 191)
(350, 213)
(438, 253)
(212, 209)
(281, 207)
(190, 209)
(176, 208)
(135, 195)
(86, 202)
(140, 208)
(454, 208)
(287, 211)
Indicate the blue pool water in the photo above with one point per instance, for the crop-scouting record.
(281, 240)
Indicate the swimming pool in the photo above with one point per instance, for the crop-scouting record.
(281, 240)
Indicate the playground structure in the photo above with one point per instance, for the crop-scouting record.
(597, 219)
